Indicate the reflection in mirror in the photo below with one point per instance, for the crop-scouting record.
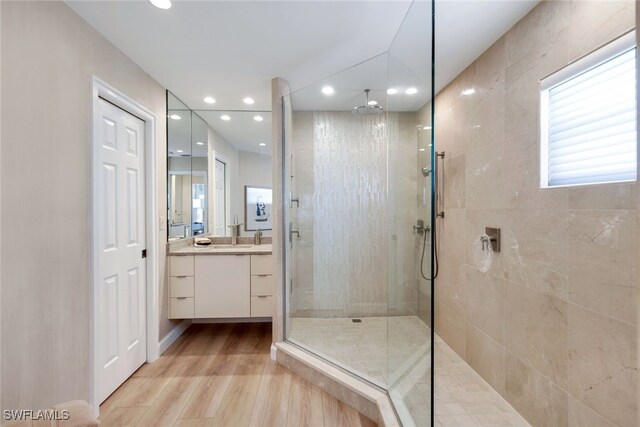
(212, 155)
(179, 168)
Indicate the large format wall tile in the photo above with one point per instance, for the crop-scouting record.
(581, 415)
(588, 29)
(534, 250)
(603, 247)
(536, 331)
(540, 27)
(477, 221)
(522, 176)
(533, 395)
(451, 326)
(486, 356)
(454, 177)
(485, 295)
(561, 247)
(603, 370)
(484, 183)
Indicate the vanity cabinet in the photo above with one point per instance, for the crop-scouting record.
(221, 286)
(181, 287)
(262, 286)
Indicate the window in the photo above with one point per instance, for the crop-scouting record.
(588, 119)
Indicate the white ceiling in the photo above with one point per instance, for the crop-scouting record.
(232, 49)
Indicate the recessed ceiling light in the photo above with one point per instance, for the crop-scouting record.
(179, 151)
(422, 149)
(411, 91)
(209, 100)
(328, 90)
(469, 91)
(175, 117)
(161, 4)
(225, 117)
(258, 118)
(200, 143)
(392, 91)
(427, 128)
(262, 144)
(372, 102)
(248, 100)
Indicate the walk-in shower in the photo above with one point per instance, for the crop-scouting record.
(359, 274)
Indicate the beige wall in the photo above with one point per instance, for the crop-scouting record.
(48, 57)
(254, 170)
(553, 325)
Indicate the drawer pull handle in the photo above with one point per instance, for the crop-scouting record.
(181, 298)
(181, 277)
(263, 275)
(262, 296)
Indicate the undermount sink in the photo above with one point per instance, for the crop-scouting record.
(229, 246)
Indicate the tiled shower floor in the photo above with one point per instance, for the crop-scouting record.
(396, 348)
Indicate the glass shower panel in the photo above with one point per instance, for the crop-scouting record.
(410, 222)
(338, 270)
(358, 220)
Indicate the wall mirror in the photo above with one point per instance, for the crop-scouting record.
(212, 155)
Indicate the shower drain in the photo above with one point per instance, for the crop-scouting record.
(356, 320)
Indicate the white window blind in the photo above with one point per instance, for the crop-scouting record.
(588, 122)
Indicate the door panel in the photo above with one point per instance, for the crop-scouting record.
(121, 237)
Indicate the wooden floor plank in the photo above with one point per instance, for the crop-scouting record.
(166, 409)
(124, 416)
(305, 404)
(272, 400)
(238, 402)
(222, 375)
(207, 397)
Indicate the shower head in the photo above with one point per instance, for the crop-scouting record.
(366, 109)
(426, 172)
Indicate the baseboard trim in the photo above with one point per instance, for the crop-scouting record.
(173, 335)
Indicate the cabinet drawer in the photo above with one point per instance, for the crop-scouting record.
(261, 264)
(181, 308)
(262, 306)
(181, 286)
(262, 285)
(181, 265)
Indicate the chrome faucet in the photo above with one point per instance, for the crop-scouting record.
(235, 232)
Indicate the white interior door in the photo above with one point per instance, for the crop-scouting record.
(221, 206)
(121, 239)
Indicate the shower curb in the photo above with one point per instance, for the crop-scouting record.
(364, 398)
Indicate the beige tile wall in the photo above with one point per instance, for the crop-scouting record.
(552, 325)
(364, 264)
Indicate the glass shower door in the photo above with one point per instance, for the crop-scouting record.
(358, 219)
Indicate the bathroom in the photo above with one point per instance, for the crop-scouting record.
(420, 260)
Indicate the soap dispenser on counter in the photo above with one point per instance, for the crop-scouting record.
(257, 237)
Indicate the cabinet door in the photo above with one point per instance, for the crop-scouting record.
(222, 286)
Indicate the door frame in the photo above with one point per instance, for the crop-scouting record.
(227, 190)
(100, 89)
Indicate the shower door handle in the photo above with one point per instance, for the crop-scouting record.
(292, 232)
